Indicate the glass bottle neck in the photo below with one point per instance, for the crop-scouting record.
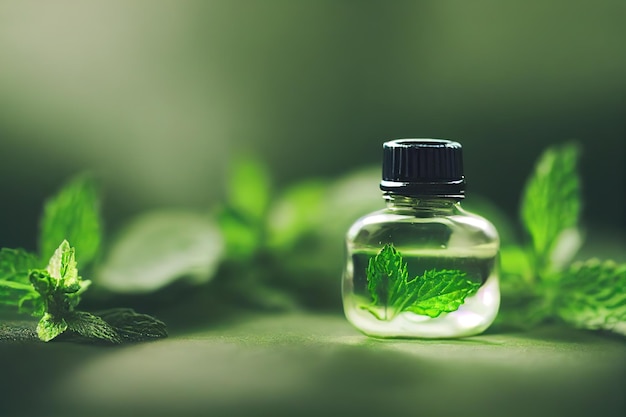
(431, 204)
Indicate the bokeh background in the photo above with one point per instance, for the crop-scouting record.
(157, 97)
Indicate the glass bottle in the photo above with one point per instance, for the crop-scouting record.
(423, 267)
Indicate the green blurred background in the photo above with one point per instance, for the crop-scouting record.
(156, 97)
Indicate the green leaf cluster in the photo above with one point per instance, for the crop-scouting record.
(539, 282)
(432, 294)
(279, 248)
(293, 249)
(60, 287)
(52, 292)
(73, 213)
(260, 230)
(268, 248)
(283, 247)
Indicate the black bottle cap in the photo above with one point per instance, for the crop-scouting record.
(423, 167)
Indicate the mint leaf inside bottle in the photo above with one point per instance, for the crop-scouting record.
(431, 294)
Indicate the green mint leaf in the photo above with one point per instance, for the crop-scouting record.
(387, 280)
(242, 237)
(242, 218)
(132, 326)
(15, 287)
(249, 188)
(440, 291)
(551, 205)
(62, 266)
(296, 214)
(91, 327)
(49, 327)
(158, 248)
(73, 214)
(432, 294)
(68, 286)
(592, 295)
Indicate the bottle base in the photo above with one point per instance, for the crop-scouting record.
(472, 318)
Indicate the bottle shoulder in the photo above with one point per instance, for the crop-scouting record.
(457, 216)
(456, 227)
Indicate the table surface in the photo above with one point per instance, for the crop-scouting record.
(317, 364)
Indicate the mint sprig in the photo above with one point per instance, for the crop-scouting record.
(538, 282)
(52, 292)
(72, 214)
(60, 287)
(432, 294)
